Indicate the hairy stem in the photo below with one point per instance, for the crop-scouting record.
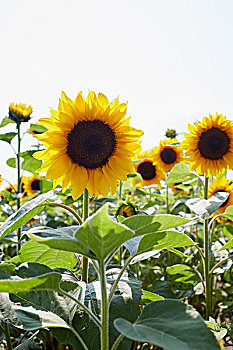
(104, 307)
(117, 342)
(85, 216)
(220, 263)
(208, 294)
(18, 184)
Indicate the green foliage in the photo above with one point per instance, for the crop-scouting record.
(179, 173)
(7, 137)
(170, 324)
(5, 122)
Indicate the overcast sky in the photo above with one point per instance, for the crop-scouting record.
(171, 60)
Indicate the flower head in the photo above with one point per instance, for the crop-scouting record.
(151, 173)
(167, 154)
(89, 144)
(19, 112)
(171, 133)
(221, 184)
(209, 145)
(31, 185)
(126, 209)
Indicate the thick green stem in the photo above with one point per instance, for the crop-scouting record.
(167, 199)
(104, 307)
(85, 216)
(7, 336)
(18, 184)
(208, 294)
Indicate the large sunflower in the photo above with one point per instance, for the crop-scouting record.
(222, 184)
(89, 144)
(31, 185)
(151, 174)
(209, 145)
(167, 154)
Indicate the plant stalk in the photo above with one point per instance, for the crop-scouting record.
(18, 184)
(208, 294)
(85, 216)
(104, 307)
(7, 336)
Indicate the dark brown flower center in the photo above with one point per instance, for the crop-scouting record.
(147, 170)
(168, 155)
(91, 144)
(35, 185)
(213, 143)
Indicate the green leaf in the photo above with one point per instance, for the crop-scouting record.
(182, 276)
(36, 252)
(38, 128)
(169, 324)
(179, 173)
(143, 224)
(8, 137)
(11, 162)
(24, 214)
(136, 176)
(158, 240)
(31, 164)
(7, 313)
(227, 245)
(6, 121)
(228, 213)
(149, 296)
(206, 207)
(27, 277)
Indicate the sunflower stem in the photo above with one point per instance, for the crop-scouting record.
(120, 189)
(104, 307)
(167, 200)
(85, 216)
(7, 336)
(18, 185)
(207, 275)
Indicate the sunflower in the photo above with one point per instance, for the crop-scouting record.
(221, 184)
(31, 185)
(167, 154)
(209, 145)
(19, 112)
(126, 209)
(10, 189)
(151, 174)
(89, 144)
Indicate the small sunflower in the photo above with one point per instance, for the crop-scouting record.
(19, 112)
(209, 145)
(89, 144)
(10, 189)
(151, 174)
(31, 185)
(171, 133)
(221, 184)
(126, 209)
(167, 154)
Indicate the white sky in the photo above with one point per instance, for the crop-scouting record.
(171, 60)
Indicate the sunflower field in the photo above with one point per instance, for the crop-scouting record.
(105, 246)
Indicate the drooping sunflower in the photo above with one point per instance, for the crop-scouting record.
(19, 112)
(151, 173)
(31, 185)
(209, 145)
(167, 154)
(126, 209)
(89, 144)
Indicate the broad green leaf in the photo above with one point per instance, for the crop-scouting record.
(36, 252)
(24, 214)
(228, 213)
(170, 324)
(11, 162)
(179, 173)
(227, 245)
(27, 277)
(7, 137)
(31, 164)
(182, 276)
(206, 207)
(150, 296)
(143, 224)
(158, 240)
(6, 121)
(32, 318)
(38, 128)
(101, 234)
(7, 312)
